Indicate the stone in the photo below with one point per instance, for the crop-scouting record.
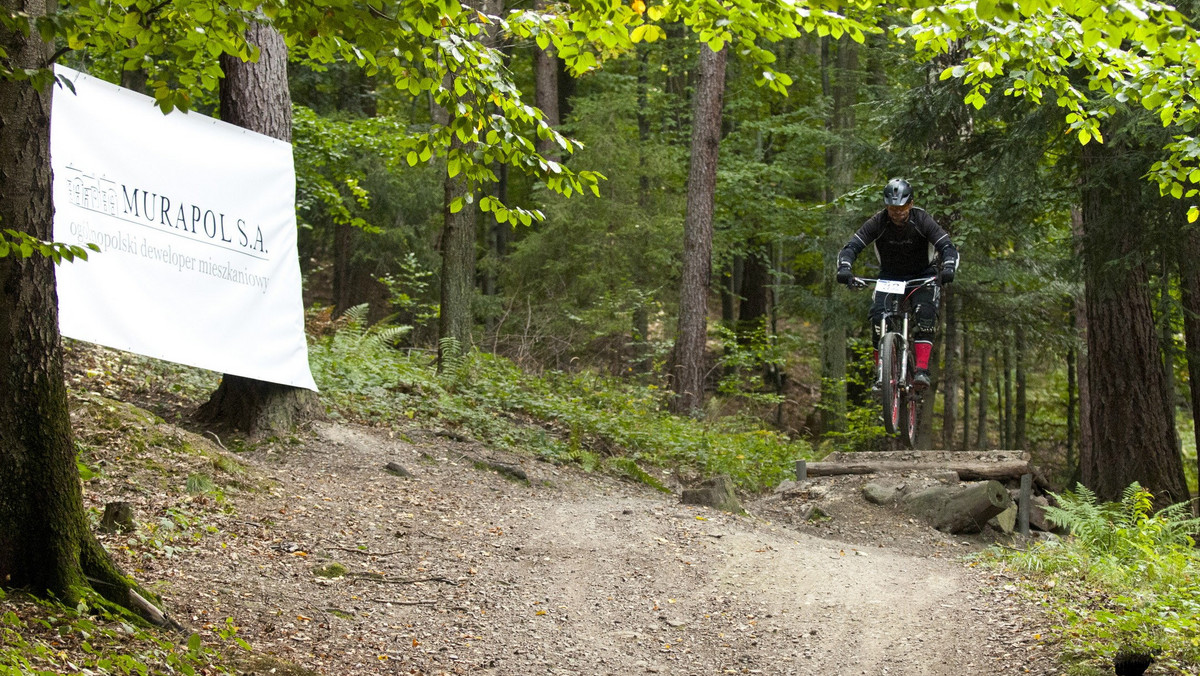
(397, 469)
(118, 518)
(1005, 521)
(717, 493)
(881, 494)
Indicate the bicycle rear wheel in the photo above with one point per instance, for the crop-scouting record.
(889, 361)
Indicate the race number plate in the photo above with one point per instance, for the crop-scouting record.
(889, 286)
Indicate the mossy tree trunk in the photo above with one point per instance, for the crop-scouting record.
(45, 544)
(255, 96)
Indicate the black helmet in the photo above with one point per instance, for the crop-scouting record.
(897, 193)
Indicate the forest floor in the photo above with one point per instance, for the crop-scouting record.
(326, 560)
(330, 564)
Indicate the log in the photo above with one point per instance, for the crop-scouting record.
(967, 471)
(959, 509)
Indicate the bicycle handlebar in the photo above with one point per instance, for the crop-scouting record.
(861, 282)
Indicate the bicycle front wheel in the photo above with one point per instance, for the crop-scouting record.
(910, 407)
(890, 355)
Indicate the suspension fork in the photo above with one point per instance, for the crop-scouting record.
(904, 352)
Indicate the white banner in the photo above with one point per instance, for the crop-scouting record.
(196, 222)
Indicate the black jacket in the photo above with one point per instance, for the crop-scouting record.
(905, 252)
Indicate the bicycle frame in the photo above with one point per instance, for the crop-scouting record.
(900, 399)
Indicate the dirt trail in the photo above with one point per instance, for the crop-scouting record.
(459, 570)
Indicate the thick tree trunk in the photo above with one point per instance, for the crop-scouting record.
(255, 96)
(688, 370)
(1079, 318)
(1189, 284)
(1132, 418)
(45, 544)
(949, 377)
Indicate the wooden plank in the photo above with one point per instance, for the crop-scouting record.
(967, 471)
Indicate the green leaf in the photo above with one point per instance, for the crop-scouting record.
(1085, 137)
(1193, 213)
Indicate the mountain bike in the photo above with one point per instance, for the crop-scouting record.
(901, 400)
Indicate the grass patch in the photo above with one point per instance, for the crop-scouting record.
(580, 418)
(330, 570)
(1126, 582)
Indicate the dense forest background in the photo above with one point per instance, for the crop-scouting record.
(603, 234)
(596, 283)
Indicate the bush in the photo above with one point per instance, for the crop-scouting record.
(1127, 581)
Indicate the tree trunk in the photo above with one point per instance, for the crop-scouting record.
(45, 544)
(752, 311)
(1132, 421)
(966, 388)
(1072, 405)
(459, 232)
(689, 355)
(1080, 323)
(255, 96)
(1189, 284)
(1008, 392)
(545, 71)
(840, 85)
(1020, 440)
(950, 369)
(981, 421)
(458, 263)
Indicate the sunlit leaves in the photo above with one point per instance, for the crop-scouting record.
(1127, 51)
(22, 245)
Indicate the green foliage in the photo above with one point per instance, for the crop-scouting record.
(1126, 580)
(42, 638)
(23, 245)
(1088, 58)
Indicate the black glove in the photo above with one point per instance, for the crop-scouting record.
(946, 275)
(844, 275)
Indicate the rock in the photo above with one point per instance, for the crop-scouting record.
(812, 512)
(118, 518)
(397, 469)
(717, 493)
(880, 494)
(785, 486)
(1005, 521)
(1037, 516)
(949, 477)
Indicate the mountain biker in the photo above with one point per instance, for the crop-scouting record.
(906, 239)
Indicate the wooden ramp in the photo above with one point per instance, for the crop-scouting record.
(970, 465)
